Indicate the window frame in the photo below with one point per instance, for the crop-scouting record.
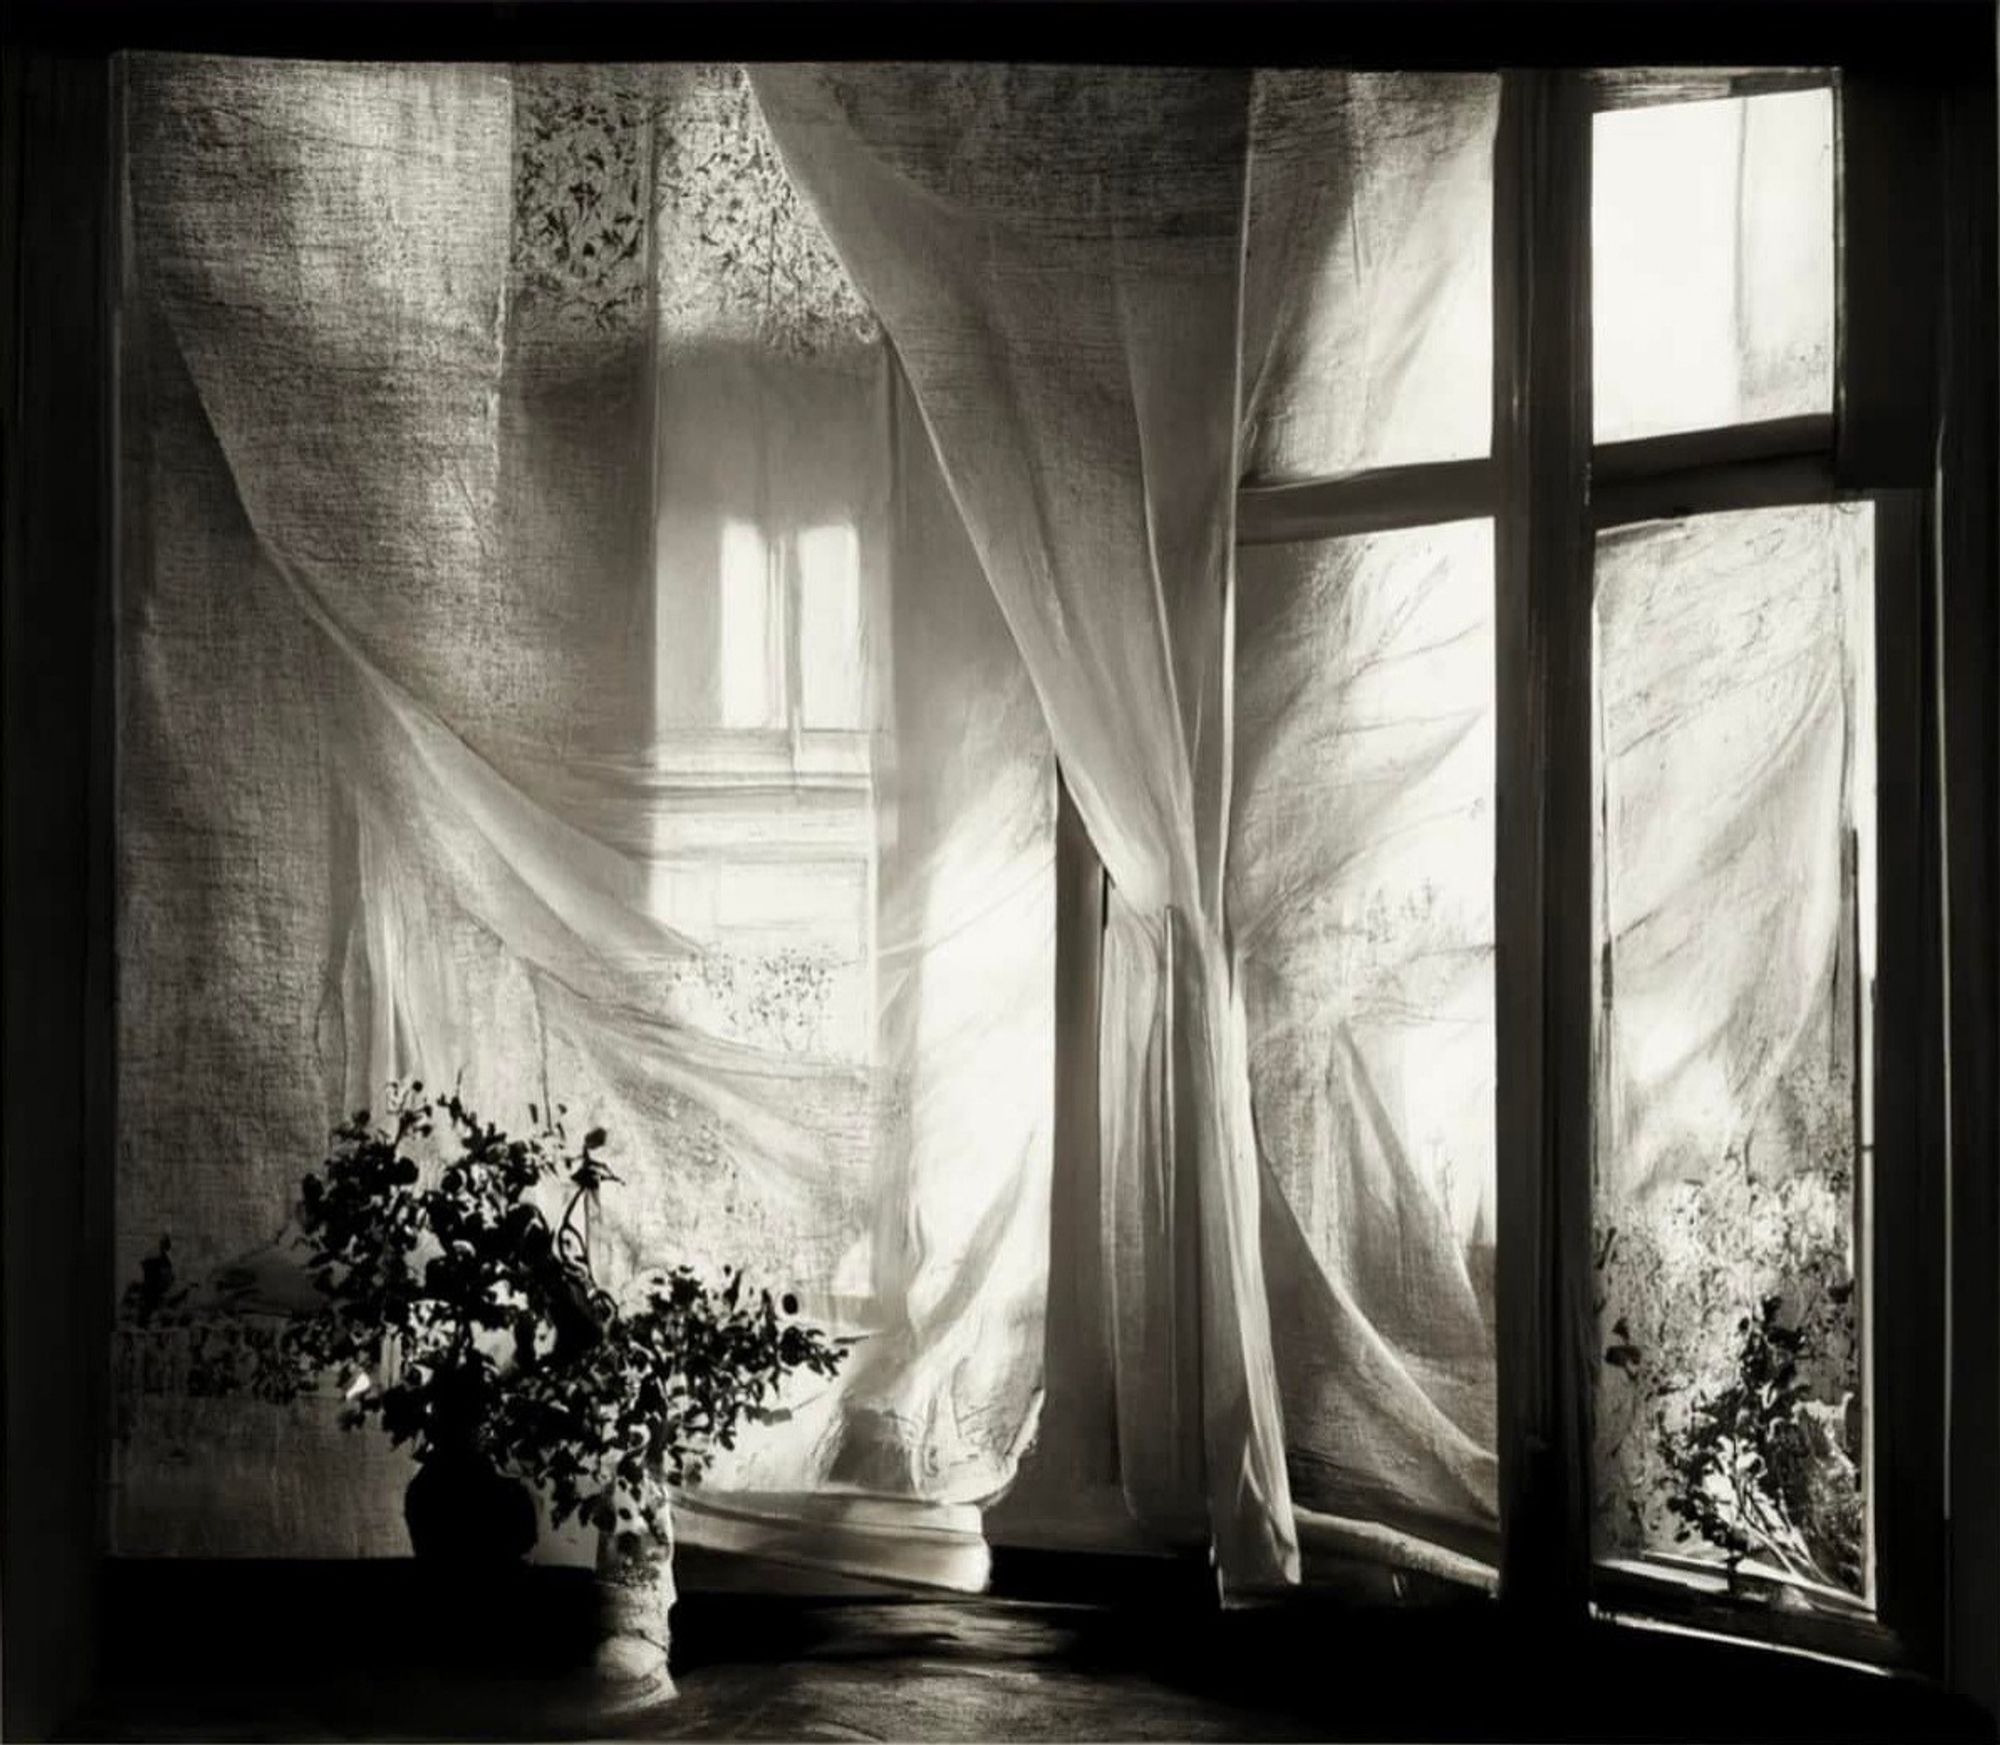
(1550, 489)
(813, 745)
(62, 631)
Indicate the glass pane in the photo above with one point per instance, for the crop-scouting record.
(749, 662)
(1735, 928)
(1368, 318)
(1712, 263)
(1361, 891)
(831, 676)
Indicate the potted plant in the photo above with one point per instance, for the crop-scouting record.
(456, 1305)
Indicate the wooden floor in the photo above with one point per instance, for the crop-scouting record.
(375, 1652)
(913, 1672)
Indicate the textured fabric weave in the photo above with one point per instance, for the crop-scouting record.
(415, 783)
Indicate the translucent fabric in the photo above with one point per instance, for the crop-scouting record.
(607, 584)
(1736, 791)
(1712, 263)
(1056, 255)
(1361, 891)
(424, 469)
(1368, 291)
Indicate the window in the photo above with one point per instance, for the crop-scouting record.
(1690, 557)
(1733, 864)
(751, 660)
(792, 651)
(1712, 263)
(765, 842)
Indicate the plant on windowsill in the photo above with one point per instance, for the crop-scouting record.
(1761, 1470)
(507, 1363)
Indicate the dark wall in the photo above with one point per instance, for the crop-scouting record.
(55, 1029)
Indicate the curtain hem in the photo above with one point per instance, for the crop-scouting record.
(891, 1539)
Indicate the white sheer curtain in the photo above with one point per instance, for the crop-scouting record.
(470, 567)
(1361, 849)
(1057, 256)
(1736, 848)
(1361, 881)
(409, 789)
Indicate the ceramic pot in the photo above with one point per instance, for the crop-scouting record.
(459, 1510)
(635, 1590)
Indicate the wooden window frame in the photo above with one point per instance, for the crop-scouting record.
(1908, 432)
(57, 220)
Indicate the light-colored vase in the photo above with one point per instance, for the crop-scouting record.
(635, 1599)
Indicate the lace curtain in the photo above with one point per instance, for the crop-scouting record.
(1300, 1266)
(1056, 255)
(545, 661)
(614, 558)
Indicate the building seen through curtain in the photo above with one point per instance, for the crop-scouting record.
(621, 718)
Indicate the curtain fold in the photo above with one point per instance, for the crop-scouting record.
(1361, 896)
(1368, 300)
(1361, 850)
(1735, 847)
(1056, 255)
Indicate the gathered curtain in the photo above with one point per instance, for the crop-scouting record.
(1116, 293)
(1057, 256)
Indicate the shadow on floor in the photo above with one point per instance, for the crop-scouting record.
(393, 1650)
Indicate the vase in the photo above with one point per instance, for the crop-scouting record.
(635, 1589)
(460, 1510)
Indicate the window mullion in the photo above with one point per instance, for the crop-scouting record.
(1699, 472)
(1903, 1293)
(786, 585)
(1378, 501)
(1890, 260)
(1968, 590)
(1542, 908)
(1886, 387)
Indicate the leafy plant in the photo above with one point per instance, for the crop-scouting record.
(1761, 1468)
(459, 1315)
(1685, 1262)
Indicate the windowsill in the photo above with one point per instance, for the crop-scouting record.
(1768, 1609)
(1755, 1577)
(747, 757)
